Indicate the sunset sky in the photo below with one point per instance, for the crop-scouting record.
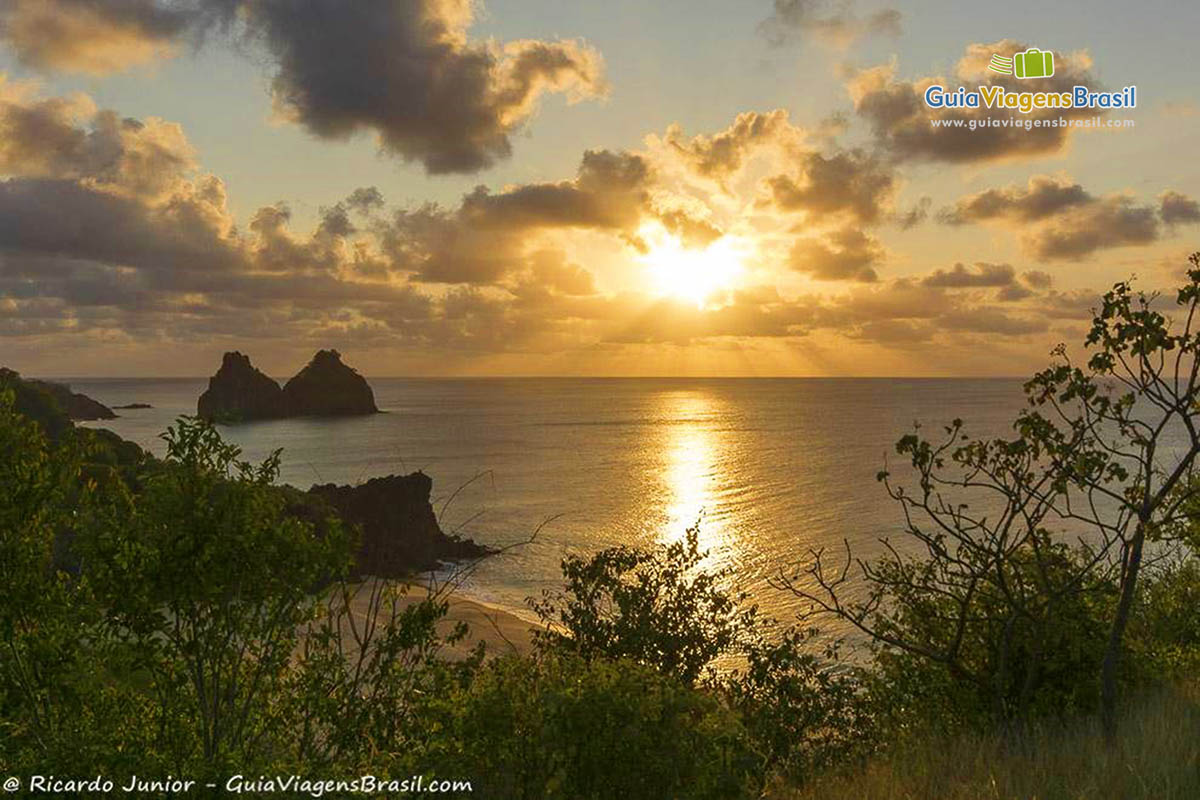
(540, 187)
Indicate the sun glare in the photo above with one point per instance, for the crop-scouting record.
(689, 273)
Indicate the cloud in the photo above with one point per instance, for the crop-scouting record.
(847, 254)
(900, 120)
(112, 235)
(408, 72)
(851, 183)
(1176, 208)
(831, 21)
(963, 277)
(487, 237)
(1112, 221)
(906, 311)
(910, 219)
(405, 70)
(722, 154)
(1056, 218)
(758, 312)
(609, 191)
(68, 138)
(1037, 279)
(1043, 196)
(90, 37)
(552, 269)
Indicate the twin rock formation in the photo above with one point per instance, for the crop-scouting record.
(324, 388)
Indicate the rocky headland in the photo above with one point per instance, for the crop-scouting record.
(399, 531)
(77, 406)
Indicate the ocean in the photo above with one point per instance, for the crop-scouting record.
(769, 468)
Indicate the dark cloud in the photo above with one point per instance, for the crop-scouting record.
(485, 239)
(1056, 218)
(1112, 221)
(847, 254)
(405, 70)
(901, 121)
(1013, 292)
(1176, 208)
(1041, 197)
(832, 21)
(757, 312)
(991, 320)
(69, 220)
(1031, 282)
(1037, 279)
(692, 231)
(609, 191)
(851, 183)
(961, 276)
(906, 311)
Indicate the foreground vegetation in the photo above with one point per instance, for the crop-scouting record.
(1158, 755)
(174, 618)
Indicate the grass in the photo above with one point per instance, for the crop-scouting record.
(1158, 756)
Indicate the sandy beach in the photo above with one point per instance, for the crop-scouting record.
(500, 631)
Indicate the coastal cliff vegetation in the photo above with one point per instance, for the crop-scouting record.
(1032, 631)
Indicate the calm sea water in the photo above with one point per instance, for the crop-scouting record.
(771, 468)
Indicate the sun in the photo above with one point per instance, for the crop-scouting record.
(691, 274)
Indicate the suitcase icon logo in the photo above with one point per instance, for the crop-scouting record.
(1033, 63)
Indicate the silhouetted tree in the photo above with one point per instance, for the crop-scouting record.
(1106, 451)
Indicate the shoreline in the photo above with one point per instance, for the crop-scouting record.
(501, 631)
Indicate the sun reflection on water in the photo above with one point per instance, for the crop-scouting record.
(693, 471)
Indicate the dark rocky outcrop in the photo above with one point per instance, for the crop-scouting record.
(328, 388)
(324, 388)
(132, 406)
(400, 534)
(399, 531)
(240, 392)
(77, 406)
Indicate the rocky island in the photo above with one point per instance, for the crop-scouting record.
(326, 387)
(397, 530)
(240, 392)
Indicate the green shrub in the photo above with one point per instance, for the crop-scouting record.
(46, 678)
(1011, 664)
(560, 726)
(655, 607)
(206, 582)
(369, 681)
(802, 708)
(1165, 629)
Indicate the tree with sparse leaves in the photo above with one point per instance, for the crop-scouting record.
(1105, 455)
